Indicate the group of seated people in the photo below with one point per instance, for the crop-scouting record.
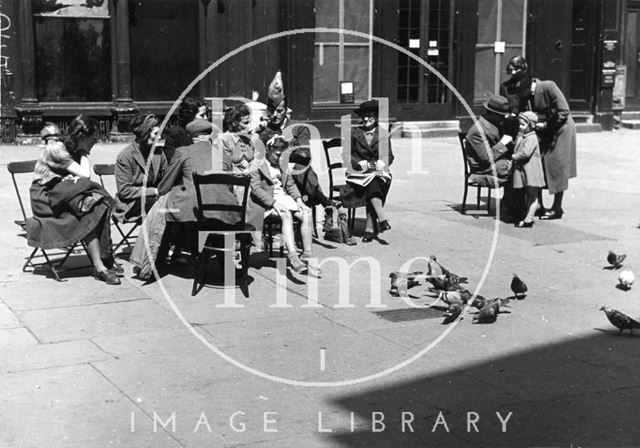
(156, 182)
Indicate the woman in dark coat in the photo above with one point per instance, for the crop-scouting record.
(177, 136)
(368, 158)
(556, 129)
(133, 163)
(67, 207)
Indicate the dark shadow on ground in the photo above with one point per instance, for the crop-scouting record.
(583, 392)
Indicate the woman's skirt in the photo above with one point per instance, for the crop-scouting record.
(51, 231)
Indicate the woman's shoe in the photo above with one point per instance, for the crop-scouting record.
(553, 214)
(384, 225)
(524, 224)
(367, 237)
(295, 264)
(108, 276)
(540, 212)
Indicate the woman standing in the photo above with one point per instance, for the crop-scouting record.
(68, 207)
(555, 129)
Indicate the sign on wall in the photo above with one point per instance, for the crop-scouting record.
(72, 8)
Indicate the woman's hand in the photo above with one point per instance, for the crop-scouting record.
(243, 164)
(302, 207)
(364, 165)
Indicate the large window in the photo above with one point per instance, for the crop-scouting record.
(342, 57)
(164, 47)
(73, 51)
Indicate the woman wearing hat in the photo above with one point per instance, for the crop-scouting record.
(556, 129)
(368, 156)
(131, 167)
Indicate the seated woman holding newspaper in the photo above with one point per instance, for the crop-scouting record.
(371, 156)
(273, 188)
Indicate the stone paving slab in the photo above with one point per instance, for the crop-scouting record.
(43, 356)
(32, 294)
(7, 318)
(16, 337)
(85, 322)
(68, 406)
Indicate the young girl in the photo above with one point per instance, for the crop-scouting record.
(528, 172)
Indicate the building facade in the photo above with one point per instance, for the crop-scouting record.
(113, 58)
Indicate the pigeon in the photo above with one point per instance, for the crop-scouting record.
(620, 320)
(436, 269)
(480, 302)
(518, 287)
(452, 314)
(489, 313)
(626, 279)
(438, 281)
(615, 260)
(401, 281)
(455, 297)
(433, 267)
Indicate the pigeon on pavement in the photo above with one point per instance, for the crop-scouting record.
(489, 313)
(452, 313)
(455, 297)
(518, 287)
(615, 260)
(620, 320)
(626, 279)
(401, 281)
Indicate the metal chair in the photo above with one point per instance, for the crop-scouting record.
(479, 181)
(108, 169)
(333, 153)
(216, 237)
(27, 167)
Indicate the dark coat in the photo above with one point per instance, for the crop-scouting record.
(480, 158)
(180, 189)
(175, 137)
(558, 138)
(129, 171)
(361, 150)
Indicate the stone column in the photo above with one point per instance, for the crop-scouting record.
(29, 112)
(124, 107)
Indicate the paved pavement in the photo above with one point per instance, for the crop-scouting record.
(147, 365)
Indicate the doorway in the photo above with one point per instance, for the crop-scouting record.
(632, 55)
(583, 47)
(425, 28)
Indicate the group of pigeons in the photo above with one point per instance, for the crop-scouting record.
(447, 286)
(626, 278)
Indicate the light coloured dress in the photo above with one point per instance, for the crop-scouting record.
(528, 163)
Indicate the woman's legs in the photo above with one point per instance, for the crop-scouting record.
(93, 248)
(557, 201)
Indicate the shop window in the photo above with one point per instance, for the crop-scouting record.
(73, 51)
(164, 47)
(342, 57)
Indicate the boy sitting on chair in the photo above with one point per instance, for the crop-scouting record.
(274, 189)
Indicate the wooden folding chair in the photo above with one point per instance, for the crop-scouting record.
(108, 169)
(333, 153)
(27, 167)
(216, 237)
(479, 181)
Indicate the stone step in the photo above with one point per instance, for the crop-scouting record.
(430, 133)
(427, 129)
(582, 128)
(630, 124)
(630, 115)
(582, 117)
